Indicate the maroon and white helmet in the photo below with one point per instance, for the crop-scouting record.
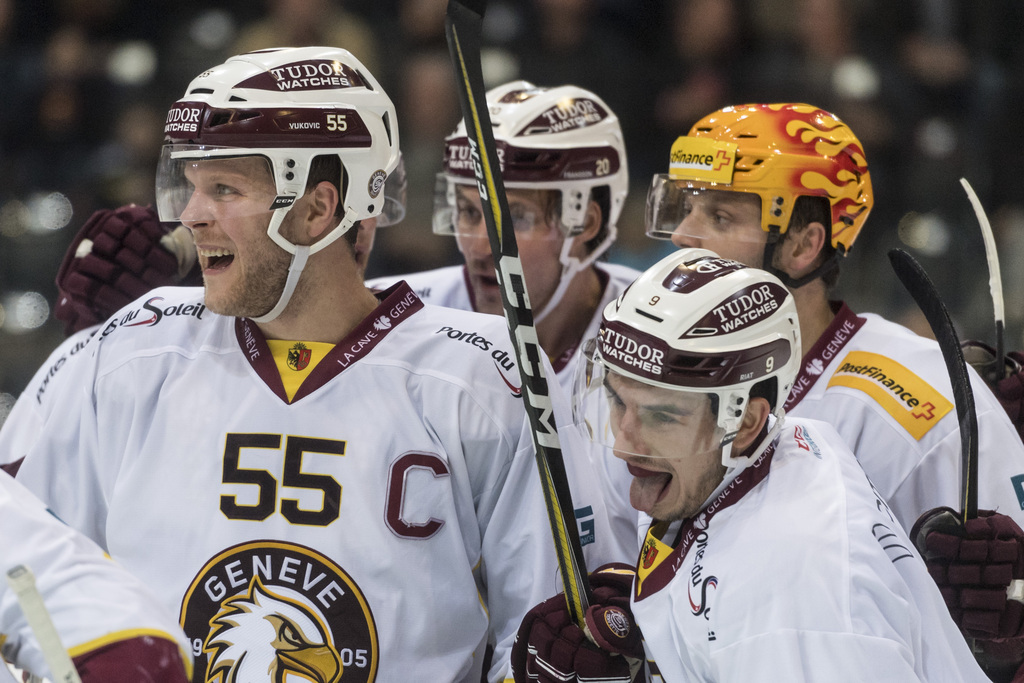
(694, 322)
(287, 105)
(564, 139)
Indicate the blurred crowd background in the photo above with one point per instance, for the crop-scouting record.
(934, 89)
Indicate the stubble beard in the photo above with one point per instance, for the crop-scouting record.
(257, 289)
(709, 482)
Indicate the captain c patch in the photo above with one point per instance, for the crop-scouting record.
(911, 401)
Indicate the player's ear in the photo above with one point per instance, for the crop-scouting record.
(592, 221)
(753, 420)
(323, 200)
(801, 251)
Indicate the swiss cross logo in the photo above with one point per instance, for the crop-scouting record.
(723, 158)
(927, 412)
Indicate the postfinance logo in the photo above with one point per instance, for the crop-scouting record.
(916, 405)
(702, 159)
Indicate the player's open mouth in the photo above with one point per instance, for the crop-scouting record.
(648, 487)
(487, 280)
(216, 259)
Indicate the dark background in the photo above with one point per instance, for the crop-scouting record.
(933, 88)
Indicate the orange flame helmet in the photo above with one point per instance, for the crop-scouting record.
(779, 152)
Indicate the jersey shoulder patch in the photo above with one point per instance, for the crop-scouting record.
(916, 405)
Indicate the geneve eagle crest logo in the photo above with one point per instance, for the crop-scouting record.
(271, 611)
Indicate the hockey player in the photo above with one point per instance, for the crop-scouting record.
(113, 627)
(563, 164)
(117, 256)
(786, 187)
(769, 555)
(321, 481)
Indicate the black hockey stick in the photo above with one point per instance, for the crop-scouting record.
(462, 28)
(995, 282)
(921, 288)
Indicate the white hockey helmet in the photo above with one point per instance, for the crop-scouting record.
(694, 322)
(564, 139)
(289, 106)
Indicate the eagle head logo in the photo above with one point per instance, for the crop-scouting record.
(262, 636)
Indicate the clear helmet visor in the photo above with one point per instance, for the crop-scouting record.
(458, 211)
(200, 182)
(700, 211)
(637, 418)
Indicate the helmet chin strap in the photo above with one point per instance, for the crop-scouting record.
(300, 255)
(570, 267)
(295, 268)
(739, 464)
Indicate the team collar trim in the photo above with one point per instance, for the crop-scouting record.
(844, 325)
(654, 572)
(397, 303)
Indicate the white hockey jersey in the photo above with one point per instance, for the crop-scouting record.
(795, 571)
(382, 523)
(23, 424)
(888, 394)
(450, 287)
(93, 602)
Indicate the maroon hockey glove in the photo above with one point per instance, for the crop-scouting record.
(1010, 389)
(143, 659)
(979, 568)
(550, 648)
(116, 257)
